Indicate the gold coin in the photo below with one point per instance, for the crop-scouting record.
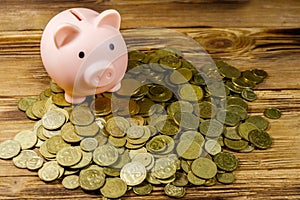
(9, 149)
(25, 102)
(82, 116)
(53, 119)
(68, 156)
(34, 163)
(88, 130)
(71, 182)
(39, 108)
(55, 144)
(105, 155)
(59, 100)
(133, 173)
(27, 139)
(114, 188)
(190, 92)
(91, 178)
(68, 133)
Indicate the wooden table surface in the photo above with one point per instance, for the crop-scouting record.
(247, 33)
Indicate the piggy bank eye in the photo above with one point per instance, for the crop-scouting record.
(81, 54)
(111, 46)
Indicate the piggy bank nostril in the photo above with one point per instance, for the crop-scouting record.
(108, 75)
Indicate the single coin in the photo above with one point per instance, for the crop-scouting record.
(228, 118)
(164, 168)
(117, 142)
(239, 110)
(190, 92)
(227, 70)
(68, 156)
(170, 61)
(55, 144)
(204, 168)
(91, 178)
(186, 120)
(114, 188)
(189, 150)
(159, 93)
(39, 109)
(174, 191)
(48, 173)
(212, 147)
(21, 159)
(101, 106)
(226, 161)
(180, 76)
(142, 189)
(81, 116)
(87, 131)
(248, 94)
(211, 128)
(53, 119)
(59, 100)
(236, 101)
(232, 133)
(210, 182)
(180, 179)
(190, 136)
(180, 106)
(89, 144)
(259, 121)
(71, 182)
(226, 178)
(193, 179)
(55, 88)
(68, 133)
(167, 127)
(86, 160)
(260, 139)
(27, 139)
(260, 72)
(25, 102)
(206, 109)
(34, 163)
(135, 132)
(133, 173)
(272, 113)
(236, 145)
(117, 126)
(105, 155)
(248, 149)
(9, 149)
(145, 158)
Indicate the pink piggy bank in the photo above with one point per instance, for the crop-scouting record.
(84, 52)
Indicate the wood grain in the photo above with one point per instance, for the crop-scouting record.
(247, 34)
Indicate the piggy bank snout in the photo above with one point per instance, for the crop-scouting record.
(100, 74)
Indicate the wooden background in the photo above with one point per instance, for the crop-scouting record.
(247, 33)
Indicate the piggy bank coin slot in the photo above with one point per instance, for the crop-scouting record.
(76, 14)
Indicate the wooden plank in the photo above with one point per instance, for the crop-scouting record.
(34, 15)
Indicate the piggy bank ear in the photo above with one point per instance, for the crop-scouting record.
(65, 34)
(109, 17)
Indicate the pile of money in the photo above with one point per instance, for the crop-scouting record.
(171, 124)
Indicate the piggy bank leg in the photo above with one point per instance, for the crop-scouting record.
(116, 88)
(74, 100)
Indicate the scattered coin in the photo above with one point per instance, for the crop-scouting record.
(9, 149)
(272, 113)
(71, 182)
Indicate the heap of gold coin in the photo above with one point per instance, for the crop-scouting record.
(165, 126)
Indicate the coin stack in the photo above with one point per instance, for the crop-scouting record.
(168, 125)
